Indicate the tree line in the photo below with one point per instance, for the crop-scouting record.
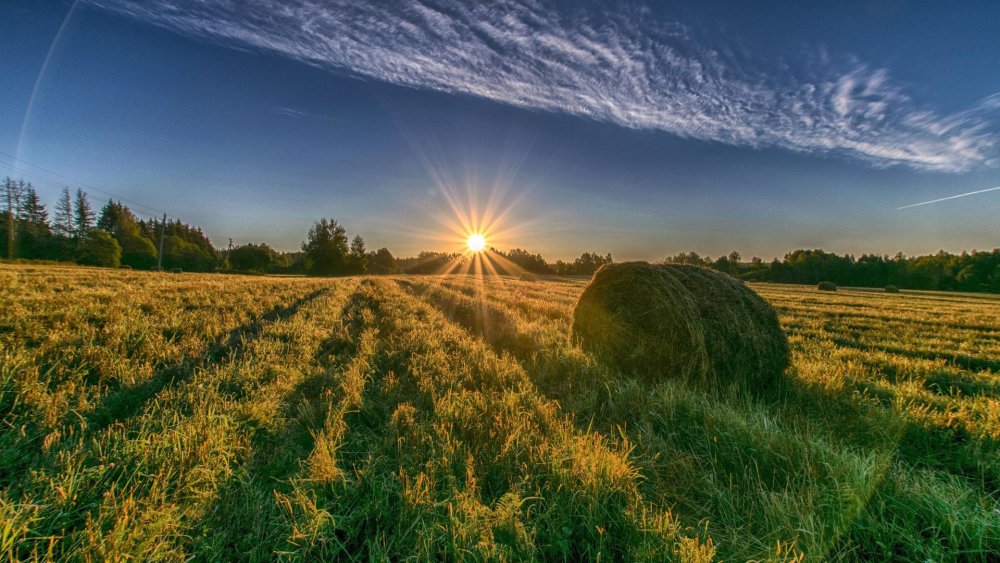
(114, 236)
(977, 271)
(111, 237)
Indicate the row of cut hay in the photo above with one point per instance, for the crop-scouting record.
(529, 301)
(670, 426)
(830, 286)
(477, 315)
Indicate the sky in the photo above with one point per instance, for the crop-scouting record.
(639, 129)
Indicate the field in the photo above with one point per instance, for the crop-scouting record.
(169, 417)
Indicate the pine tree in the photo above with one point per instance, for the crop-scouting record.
(83, 215)
(63, 222)
(34, 238)
(34, 218)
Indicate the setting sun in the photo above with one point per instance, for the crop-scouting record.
(476, 242)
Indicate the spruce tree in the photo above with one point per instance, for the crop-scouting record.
(33, 233)
(63, 222)
(33, 214)
(83, 215)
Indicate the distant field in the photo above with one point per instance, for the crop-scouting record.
(168, 417)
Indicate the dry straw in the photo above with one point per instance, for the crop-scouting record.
(682, 322)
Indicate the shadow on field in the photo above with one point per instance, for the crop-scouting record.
(253, 517)
(962, 361)
(127, 402)
(875, 423)
(838, 316)
(944, 381)
(20, 452)
(478, 317)
(955, 450)
(688, 440)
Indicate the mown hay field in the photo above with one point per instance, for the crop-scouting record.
(180, 416)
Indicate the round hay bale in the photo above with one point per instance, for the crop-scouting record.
(176, 271)
(826, 286)
(891, 289)
(527, 277)
(680, 321)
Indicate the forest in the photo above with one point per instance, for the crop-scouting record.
(114, 236)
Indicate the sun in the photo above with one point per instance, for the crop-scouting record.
(476, 242)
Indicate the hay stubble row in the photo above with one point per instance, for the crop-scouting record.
(168, 417)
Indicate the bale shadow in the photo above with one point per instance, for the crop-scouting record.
(789, 396)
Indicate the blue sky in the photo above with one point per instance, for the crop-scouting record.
(640, 130)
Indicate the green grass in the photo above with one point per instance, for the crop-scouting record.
(174, 417)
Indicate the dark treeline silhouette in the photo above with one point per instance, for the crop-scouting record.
(586, 264)
(969, 271)
(426, 262)
(524, 260)
(510, 262)
(113, 236)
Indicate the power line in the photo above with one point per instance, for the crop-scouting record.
(157, 211)
(153, 216)
(34, 178)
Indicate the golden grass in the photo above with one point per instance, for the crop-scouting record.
(164, 417)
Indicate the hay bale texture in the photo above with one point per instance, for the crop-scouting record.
(680, 321)
(826, 286)
(527, 277)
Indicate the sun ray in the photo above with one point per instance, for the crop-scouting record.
(474, 217)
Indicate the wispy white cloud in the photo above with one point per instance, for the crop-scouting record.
(623, 66)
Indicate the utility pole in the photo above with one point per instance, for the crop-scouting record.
(13, 200)
(163, 232)
(11, 251)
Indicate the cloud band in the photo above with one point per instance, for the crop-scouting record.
(624, 67)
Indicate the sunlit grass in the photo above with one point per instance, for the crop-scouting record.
(154, 417)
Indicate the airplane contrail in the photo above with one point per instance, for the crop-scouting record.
(947, 198)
